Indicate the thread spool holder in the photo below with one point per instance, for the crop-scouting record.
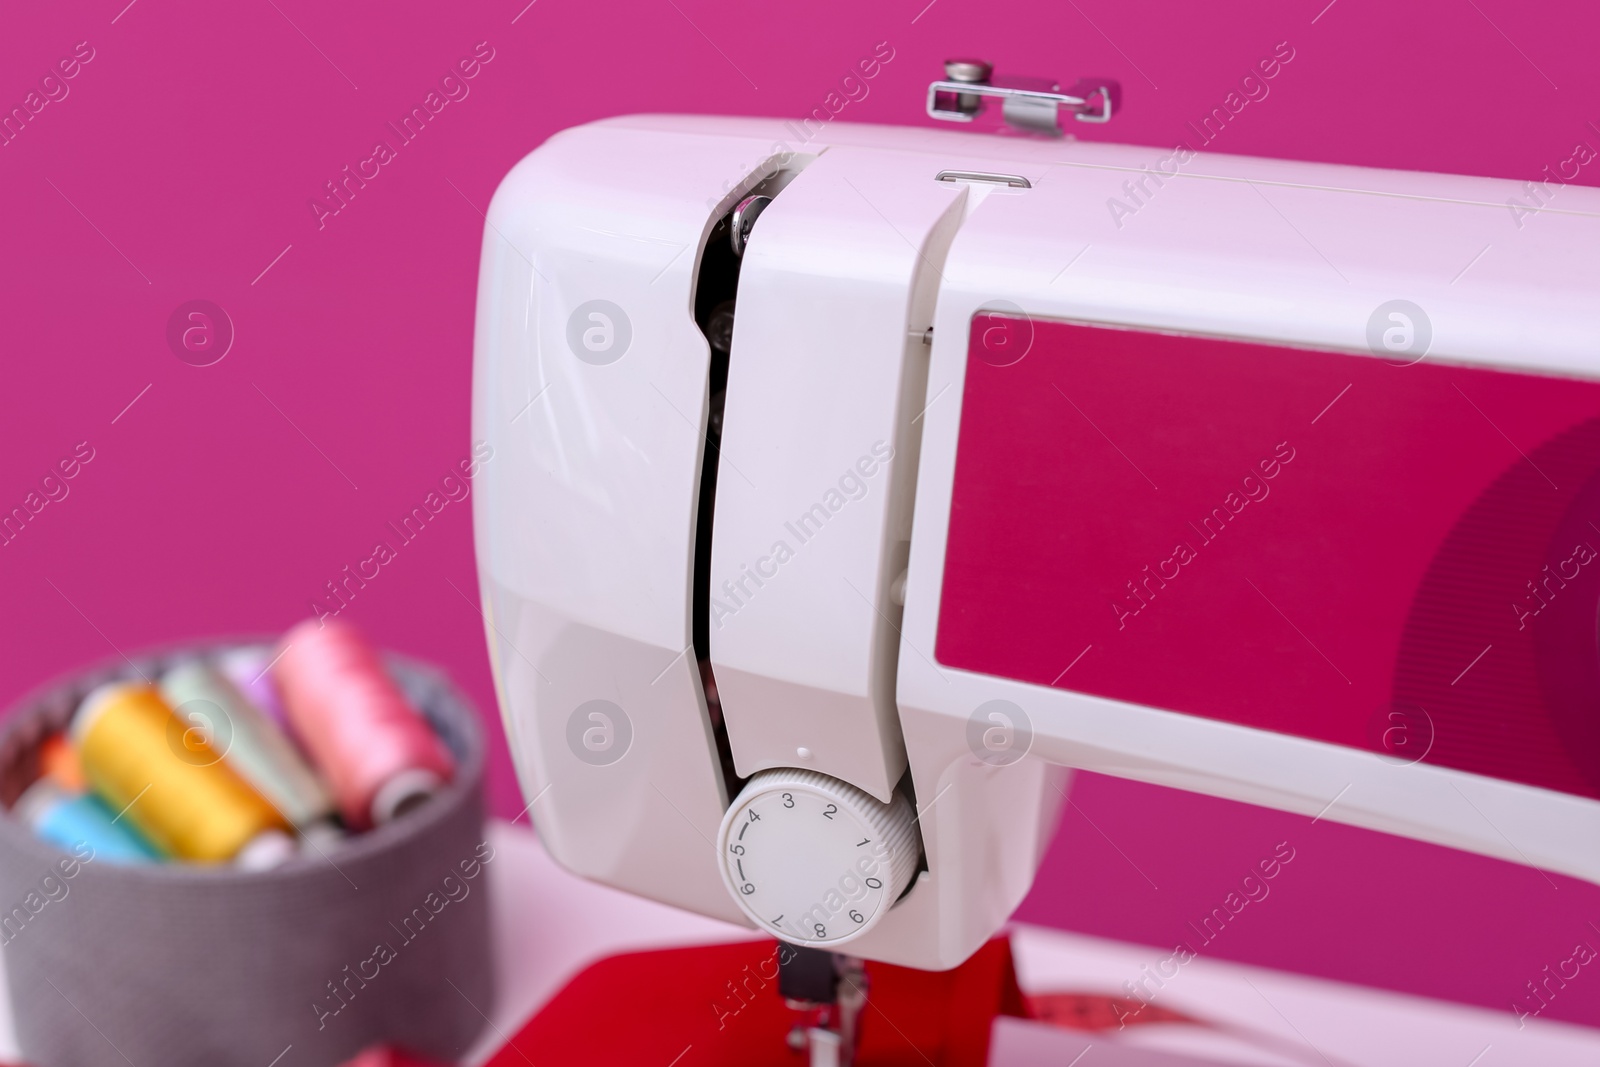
(1033, 105)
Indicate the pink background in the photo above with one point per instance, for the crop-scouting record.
(1391, 496)
(180, 164)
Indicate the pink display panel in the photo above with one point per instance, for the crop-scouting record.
(1394, 557)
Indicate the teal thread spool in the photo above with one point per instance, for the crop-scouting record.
(251, 743)
(70, 819)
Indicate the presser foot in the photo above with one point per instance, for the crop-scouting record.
(834, 986)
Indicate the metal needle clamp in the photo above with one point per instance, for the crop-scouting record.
(1031, 104)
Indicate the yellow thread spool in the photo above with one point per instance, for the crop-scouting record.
(142, 759)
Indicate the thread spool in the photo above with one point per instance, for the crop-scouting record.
(175, 789)
(59, 762)
(69, 819)
(248, 670)
(379, 755)
(322, 835)
(266, 850)
(207, 702)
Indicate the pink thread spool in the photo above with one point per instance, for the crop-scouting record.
(379, 755)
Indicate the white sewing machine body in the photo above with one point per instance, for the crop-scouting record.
(1002, 488)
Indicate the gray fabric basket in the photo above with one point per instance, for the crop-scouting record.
(184, 966)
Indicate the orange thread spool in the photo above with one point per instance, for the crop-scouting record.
(59, 762)
(168, 781)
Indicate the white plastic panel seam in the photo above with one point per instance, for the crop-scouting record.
(814, 485)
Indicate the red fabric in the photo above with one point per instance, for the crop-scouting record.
(718, 1006)
(380, 1056)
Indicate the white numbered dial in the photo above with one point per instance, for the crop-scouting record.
(814, 860)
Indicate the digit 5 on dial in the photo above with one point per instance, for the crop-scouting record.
(813, 859)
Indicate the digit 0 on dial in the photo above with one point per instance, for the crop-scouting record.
(813, 859)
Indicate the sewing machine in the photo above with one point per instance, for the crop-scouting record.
(853, 485)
